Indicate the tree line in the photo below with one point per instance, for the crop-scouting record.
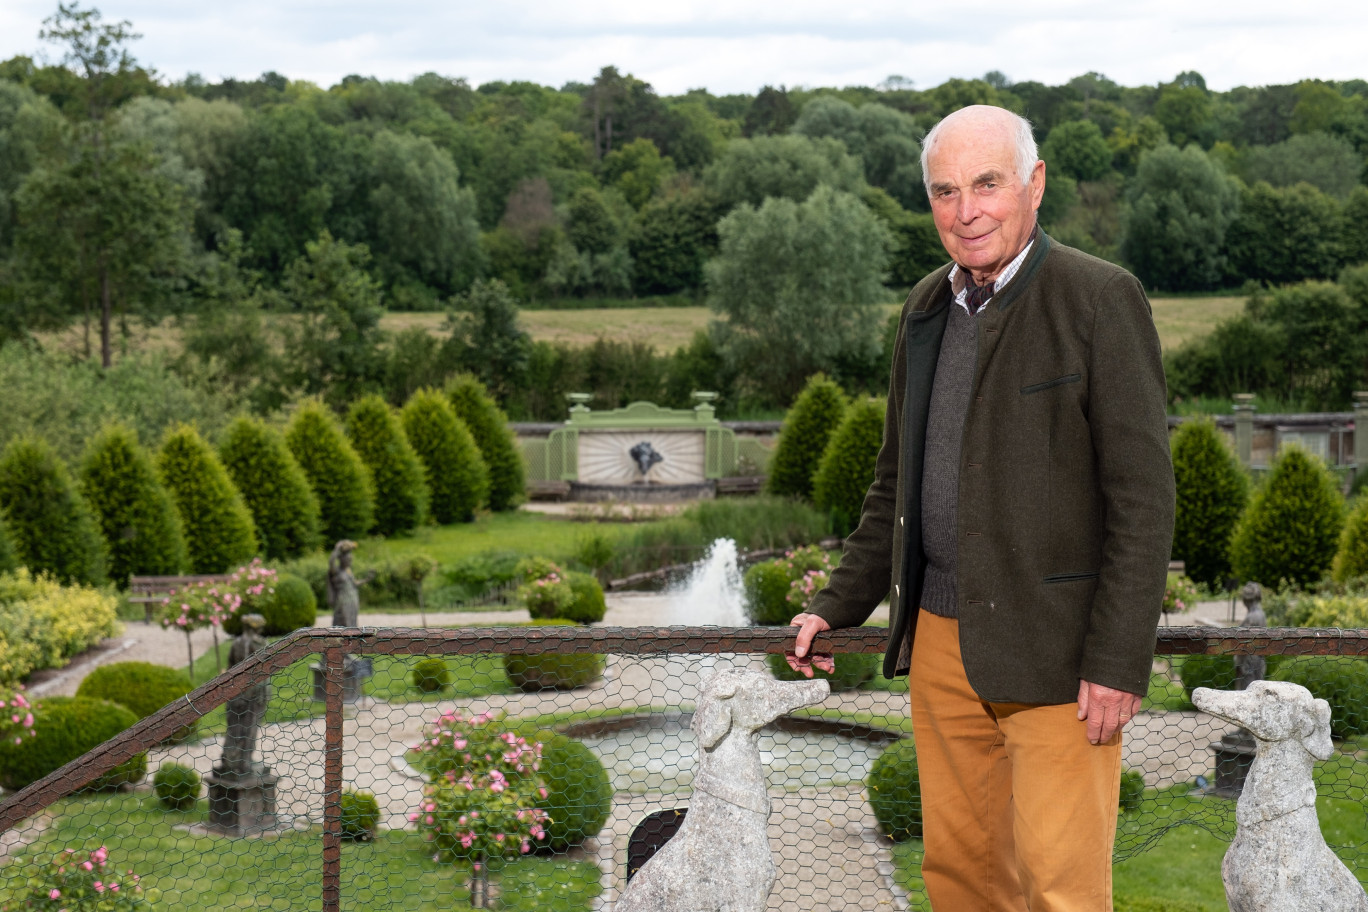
(795, 211)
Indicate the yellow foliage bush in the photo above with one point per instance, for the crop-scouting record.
(43, 623)
(1337, 611)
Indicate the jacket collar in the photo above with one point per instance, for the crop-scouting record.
(941, 294)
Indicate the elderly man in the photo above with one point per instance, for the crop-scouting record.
(1020, 522)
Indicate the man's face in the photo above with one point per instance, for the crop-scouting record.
(983, 212)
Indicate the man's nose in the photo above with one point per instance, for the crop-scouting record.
(968, 208)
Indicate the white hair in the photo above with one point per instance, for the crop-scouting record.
(1023, 142)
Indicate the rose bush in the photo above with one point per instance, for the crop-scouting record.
(78, 881)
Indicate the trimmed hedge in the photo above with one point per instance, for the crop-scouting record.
(767, 584)
(274, 487)
(140, 687)
(579, 794)
(1291, 529)
(177, 787)
(489, 427)
(43, 623)
(219, 533)
(141, 528)
(292, 607)
(1351, 557)
(51, 525)
(808, 426)
(456, 472)
(8, 563)
(431, 675)
(1132, 789)
(360, 815)
(847, 467)
(68, 727)
(588, 606)
(338, 477)
(894, 791)
(1212, 492)
(1341, 681)
(551, 670)
(401, 490)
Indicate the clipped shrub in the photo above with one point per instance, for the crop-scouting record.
(43, 623)
(69, 727)
(140, 687)
(550, 670)
(808, 426)
(1351, 557)
(588, 605)
(7, 560)
(455, 470)
(50, 523)
(579, 794)
(219, 533)
(291, 607)
(1348, 611)
(177, 787)
(431, 675)
(274, 487)
(894, 791)
(1291, 529)
(847, 467)
(141, 528)
(360, 815)
(1341, 681)
(768, 585)
(489, 427)
(1214, 671)
(852, 670)
(338, 477)
(1212, 492)
(1132, 789)
(401, 491)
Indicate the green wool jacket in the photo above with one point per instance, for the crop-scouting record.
(1066, 493)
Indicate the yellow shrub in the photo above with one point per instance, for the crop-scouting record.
(43, 623)
(1340, 611)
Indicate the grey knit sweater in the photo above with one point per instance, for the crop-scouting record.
(940, 467)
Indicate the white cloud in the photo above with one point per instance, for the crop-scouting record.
(736, 45)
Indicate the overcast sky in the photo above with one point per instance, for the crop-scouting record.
(735, 45)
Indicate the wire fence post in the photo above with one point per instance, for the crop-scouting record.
(334, 660)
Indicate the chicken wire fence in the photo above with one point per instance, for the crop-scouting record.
(514, 767)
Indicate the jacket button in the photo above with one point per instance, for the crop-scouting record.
(900, 521)
(897, 591)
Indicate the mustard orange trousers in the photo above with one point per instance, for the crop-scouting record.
(1019, 809)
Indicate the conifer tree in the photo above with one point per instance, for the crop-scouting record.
(455, 470)
(489, 426)
(283, 506)
(1212, 492)
(815, 415)
(1351, 559)
(7, 562)
(401, 490)
(1291, 528)
(219, 534)
(52, 527)
(141, 527)
(338, 477)
(847, 468)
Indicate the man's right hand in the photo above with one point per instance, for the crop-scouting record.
(803, 659)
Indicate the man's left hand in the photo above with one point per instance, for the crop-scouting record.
(1106, 710)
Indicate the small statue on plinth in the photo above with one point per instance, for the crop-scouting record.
(344, 597)
(1236, 749)
(241, 791)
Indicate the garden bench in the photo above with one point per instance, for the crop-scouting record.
(150, 591)
(741, 484)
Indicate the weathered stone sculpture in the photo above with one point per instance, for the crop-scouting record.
(242, 792)
(720, 859)
(1279, 861)
(645, 456)
(344, 592)
(1251, 668)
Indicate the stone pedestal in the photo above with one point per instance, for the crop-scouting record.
(1234, 753)
(354, 672)
(242, 805)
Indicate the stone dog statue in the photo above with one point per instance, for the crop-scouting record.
(1279, 859)
(720, 859)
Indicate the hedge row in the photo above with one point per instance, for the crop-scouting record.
(43, 623)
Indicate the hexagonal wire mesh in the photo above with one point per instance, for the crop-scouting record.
(510, 767)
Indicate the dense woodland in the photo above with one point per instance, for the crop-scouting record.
(794, 212)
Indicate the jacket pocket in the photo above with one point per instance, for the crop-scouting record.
(1050, 384)
(1071, 577)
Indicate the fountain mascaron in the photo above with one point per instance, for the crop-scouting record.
(641, 452)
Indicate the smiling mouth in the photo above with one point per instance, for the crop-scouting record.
(976, 238)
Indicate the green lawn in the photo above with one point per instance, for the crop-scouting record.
(206, 873)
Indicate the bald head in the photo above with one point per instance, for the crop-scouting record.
(988, 123)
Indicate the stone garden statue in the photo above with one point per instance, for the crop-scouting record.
(1251, 668)
(246, 710)
(344, 590)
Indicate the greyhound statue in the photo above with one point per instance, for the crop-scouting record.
(1279, 859)
(720, 859)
